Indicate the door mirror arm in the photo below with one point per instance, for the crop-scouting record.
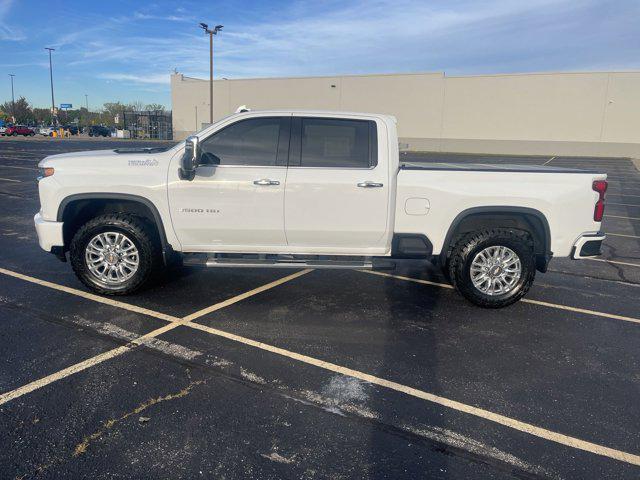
(190, 159)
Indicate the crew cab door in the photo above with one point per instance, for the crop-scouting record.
(236, 200)
(337, 192)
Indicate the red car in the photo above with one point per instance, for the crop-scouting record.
(20, 130)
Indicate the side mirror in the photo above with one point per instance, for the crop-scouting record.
(190, 159)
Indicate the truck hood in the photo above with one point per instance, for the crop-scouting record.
(91, 154)
(117, 156)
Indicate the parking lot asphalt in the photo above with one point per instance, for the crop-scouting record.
(237, 373)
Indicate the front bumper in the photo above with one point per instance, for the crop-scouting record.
(49, 233)
(588, 246)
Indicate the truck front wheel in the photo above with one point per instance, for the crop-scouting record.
(493, 268)
(113, 254)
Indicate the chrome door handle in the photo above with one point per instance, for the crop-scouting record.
(266, 181)
(369, 184)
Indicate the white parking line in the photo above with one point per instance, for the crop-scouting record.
(594, 313)
(509, 422)
(548, 161)
(90, 362)
(612, 261)
(10, 180)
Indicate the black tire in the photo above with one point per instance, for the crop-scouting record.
(466, 249)
(137, 231)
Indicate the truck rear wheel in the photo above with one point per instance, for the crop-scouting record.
(113, 254)
(493, 268)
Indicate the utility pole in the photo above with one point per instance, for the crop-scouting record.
(53, 103)
(211, 33)
(13, 99)
(86, 99)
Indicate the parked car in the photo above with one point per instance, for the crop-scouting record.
(3, 131)
(318, 190)
(46, 131)
(20, 130)
(72, 129)
(99, 131)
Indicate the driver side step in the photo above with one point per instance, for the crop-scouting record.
(285, 261)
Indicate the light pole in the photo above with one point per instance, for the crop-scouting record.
(13, 100)
(86, 100)
(53, 103)
(211, 33)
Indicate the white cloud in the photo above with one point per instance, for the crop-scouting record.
(155, 78)
(8, 32)
(338, 37)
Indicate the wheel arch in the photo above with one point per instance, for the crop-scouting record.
(523, 218)
(76, 209)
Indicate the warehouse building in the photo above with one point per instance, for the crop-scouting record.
(549, 113)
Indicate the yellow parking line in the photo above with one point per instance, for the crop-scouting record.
(242, 296)
(173, 323)
(620, 216)
(595, 313)
(90, 296)
(622, 235)
(430, 397)
(612, 261)
(509, 422)
(19, 168)
(78, 367)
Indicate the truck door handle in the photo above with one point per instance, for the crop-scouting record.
(369, 184)
(266, 181)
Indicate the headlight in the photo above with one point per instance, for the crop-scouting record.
(45, 172)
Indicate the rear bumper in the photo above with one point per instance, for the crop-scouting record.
(588, 246)
(49, 233)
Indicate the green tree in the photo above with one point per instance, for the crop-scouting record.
(21, 110)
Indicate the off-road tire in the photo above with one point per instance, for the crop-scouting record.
(466, 248)
(136, 230)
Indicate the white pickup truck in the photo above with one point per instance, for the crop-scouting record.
(312, 189)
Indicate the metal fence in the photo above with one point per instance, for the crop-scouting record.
(150, 124)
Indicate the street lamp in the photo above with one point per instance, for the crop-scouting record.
(13, 100)
(53, 103)
(211, 33)
(86, 99)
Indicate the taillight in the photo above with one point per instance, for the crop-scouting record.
(599, 186)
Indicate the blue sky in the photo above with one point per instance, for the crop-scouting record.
(125, 51)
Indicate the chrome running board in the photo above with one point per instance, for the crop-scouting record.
(283, 261)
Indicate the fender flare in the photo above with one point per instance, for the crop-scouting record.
(499, 209)
(167, 249)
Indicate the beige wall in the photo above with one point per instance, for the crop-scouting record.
(564, 113)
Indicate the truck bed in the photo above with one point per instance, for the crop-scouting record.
(486, 167)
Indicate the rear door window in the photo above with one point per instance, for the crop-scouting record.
(337, 143)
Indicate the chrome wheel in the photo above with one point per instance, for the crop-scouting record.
(496, 270)
(112, 258)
